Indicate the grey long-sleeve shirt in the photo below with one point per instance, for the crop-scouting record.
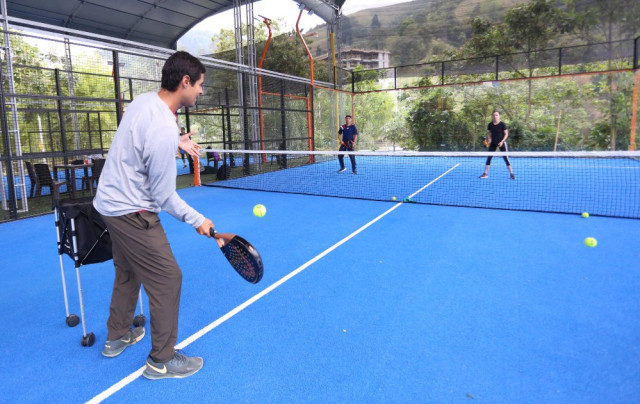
(140, 171)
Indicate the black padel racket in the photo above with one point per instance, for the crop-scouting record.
(242, 256)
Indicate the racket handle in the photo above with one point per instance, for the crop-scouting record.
(221, 241)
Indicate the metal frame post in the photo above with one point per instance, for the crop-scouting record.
(12, 206)
(116, 83)
(237, 22)
(63, 130)
(252, 80)
(16, 126)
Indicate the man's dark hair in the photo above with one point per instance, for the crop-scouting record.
(347, 116)
(178, 65)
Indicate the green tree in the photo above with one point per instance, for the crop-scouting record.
(346, 30)
(436, 123)
(612, 99)
(30, 76)
(225, 40)
(409, 42)
(607, 21)
(286, 53)
(98, 84)
(374, 109)
(396, 130)
(525, 29)
(376, 34)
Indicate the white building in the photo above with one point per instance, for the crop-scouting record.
(369, 59)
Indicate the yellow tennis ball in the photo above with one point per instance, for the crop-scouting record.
(259, 210)
(393, 198)
(590, 242)
(585, 214)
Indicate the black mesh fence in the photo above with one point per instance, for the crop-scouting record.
(599, 57)
(62, 100)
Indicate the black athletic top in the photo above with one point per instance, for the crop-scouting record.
(348, 132)
(497, 131)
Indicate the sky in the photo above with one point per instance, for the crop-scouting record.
(287, 9)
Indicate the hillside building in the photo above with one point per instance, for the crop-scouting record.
(367, 58)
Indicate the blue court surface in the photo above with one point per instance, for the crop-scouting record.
(361, 301)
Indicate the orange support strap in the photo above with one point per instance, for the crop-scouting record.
(196, 172)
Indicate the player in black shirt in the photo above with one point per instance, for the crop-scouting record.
(497, 134)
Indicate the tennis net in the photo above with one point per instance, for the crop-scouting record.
(601, 183)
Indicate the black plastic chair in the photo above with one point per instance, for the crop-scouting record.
(32, 178)
(87, 183)
(96, 170)
(44, 179)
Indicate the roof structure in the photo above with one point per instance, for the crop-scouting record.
(152, 22)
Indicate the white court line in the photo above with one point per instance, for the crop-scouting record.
(122, 383)
(441, 175)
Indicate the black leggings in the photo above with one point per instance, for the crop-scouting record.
(493, 147)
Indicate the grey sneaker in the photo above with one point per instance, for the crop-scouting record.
(483, 176)
(178, 367)
(115, 347)
(341, 170)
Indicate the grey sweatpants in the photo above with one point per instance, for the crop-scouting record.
(142, 255)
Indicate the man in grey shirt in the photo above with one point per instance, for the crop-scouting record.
(137, 182)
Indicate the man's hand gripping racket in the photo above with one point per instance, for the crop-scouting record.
(242, 256)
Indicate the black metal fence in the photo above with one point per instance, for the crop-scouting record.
(67, 97)
(598, 57)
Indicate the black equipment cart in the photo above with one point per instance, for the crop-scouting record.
(83, 236)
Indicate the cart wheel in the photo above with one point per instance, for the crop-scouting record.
(139, 321)
(88, 339)
(72, 320)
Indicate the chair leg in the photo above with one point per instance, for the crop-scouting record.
(55, 196)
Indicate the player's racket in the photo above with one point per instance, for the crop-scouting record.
(485, 142)
(242, 256)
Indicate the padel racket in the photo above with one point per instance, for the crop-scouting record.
(485, 142)
(242, 256)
